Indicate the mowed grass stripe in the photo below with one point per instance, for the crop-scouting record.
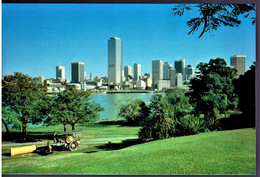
(222, 152)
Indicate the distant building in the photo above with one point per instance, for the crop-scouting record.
(179, 80)
(189, 72)
(166, 66)
(172, 77)
(148, 81)
(137, 71)
(149, 75)
(91, 77)
(128, 71)
(179, 65)
(239, 63)
(115, 61)
(39, 80)
(77, 72)
(163, 84)
(60, 72)
(140, 84)
(157, 71)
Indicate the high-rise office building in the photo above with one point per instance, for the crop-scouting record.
(137, 71)
(77, 72)
(179, 65)
(157, 71)
(91, 76)
(115, 61)
(189, 72)
(60, 72)
(128, 71)
(166, 66)
(239, 63)
(172, 76)
(179, 80)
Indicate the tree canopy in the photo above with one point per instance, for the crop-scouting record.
(73, 106)
(245, 89)
(28, 99)
(213, 16)
(213, 90)
(134, 111)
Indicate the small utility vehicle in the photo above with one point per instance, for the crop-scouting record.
(63, 140)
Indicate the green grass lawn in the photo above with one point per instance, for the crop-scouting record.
(220, 152)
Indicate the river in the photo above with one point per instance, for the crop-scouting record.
(113, 102)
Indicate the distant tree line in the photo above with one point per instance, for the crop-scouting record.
(214, 92)
(25, 101)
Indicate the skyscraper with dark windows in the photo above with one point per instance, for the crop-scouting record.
(115, 61)
(77, 72)
(179, 65)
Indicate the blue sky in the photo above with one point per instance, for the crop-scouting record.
(38, 37)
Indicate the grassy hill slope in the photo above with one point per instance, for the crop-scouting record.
(222, 152)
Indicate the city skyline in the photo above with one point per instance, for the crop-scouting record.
(55, 35)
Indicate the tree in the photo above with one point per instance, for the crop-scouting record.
(29, 100)
(212, 16)
(73, 106)
(10, 119)
(245, 89)
(213, 91)
(161, 126)
(134, 111)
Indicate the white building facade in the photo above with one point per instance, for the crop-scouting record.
(115, 61)
(239, 63)
(157, 71)
(60, 72)
(137, 71)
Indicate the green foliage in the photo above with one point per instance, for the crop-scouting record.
(22, 95)
(134, 111)
(213, 16)
(167, 112)
(245, 89)
(11, 119)
(73, 106)
(212, 92)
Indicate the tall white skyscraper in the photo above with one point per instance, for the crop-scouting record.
(157, 71)
(239, 63)
(166, 66)
(128, 71)
(115, 61)
(137, 71)
(179, 80)
(77, 72)
(60, 72)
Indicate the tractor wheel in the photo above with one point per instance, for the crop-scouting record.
(69, 139)
(73, 146)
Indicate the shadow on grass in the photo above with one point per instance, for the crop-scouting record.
(18, 137)
(115, 122)
(236, 121)
(116, 146)
(118, 122)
